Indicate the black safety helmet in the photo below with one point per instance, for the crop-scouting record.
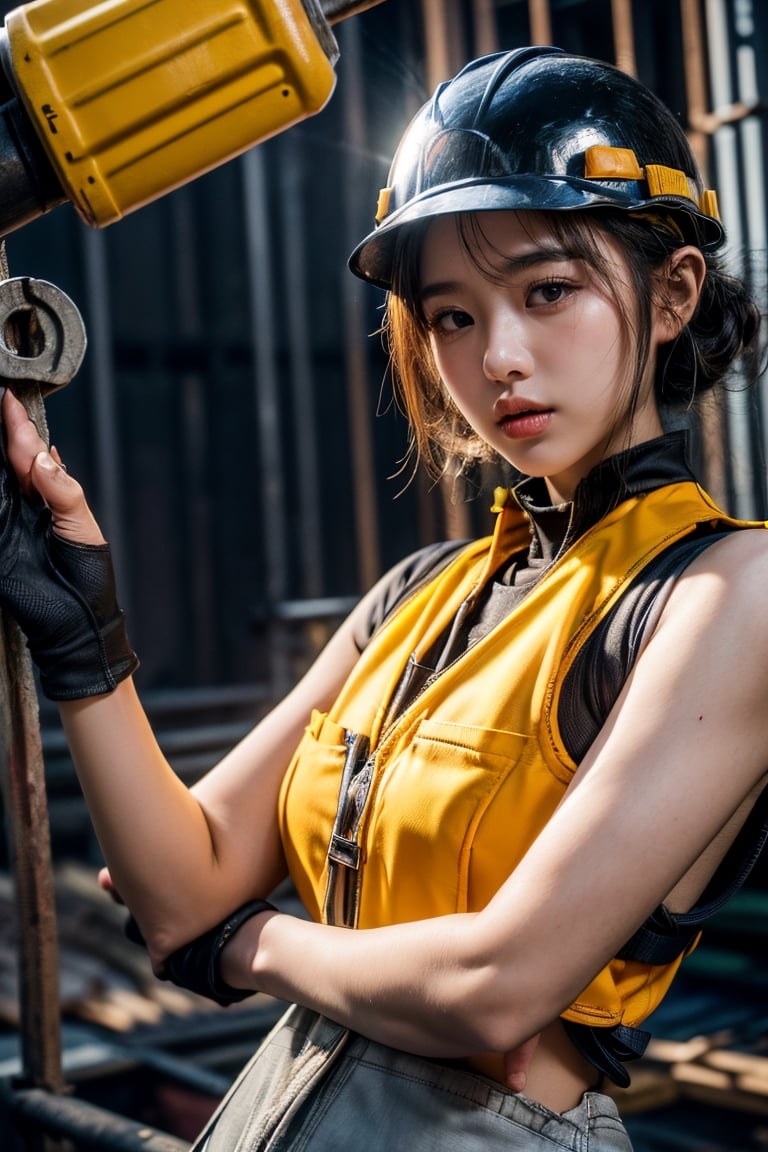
(539, 129)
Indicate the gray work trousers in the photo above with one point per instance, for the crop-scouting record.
(315, 1087)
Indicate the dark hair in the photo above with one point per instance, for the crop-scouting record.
(723, 326)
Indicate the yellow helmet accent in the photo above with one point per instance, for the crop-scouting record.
(382, 208)
(709, 205)
(663, 181)
(601, 162)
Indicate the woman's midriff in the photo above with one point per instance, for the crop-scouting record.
(558, 1075)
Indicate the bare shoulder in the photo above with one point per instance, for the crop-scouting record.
(729, 581)
(745, 545)
(715, 618)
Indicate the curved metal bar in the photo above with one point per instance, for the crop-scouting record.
(336, 10)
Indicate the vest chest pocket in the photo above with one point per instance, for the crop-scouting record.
(452, 812)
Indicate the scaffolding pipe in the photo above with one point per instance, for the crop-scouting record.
(303, 385)
(22, 775)
(336, 10)
(739, 463)
(107, 441)
(26, 815)
(88, 1126)
(267, 404)
(359, 389)
(540, 21)
(486, 31)
(193, 423)
(695, 81)
(443, 52)
(711, 424)
(624, 36)
(435, 42)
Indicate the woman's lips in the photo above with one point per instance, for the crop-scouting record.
(519, 420)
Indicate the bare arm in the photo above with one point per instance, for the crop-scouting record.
(683, 748)
(184, 859)
(181, 859)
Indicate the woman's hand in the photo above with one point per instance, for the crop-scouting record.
(40, 472)
(56, 576)
(517, 1062)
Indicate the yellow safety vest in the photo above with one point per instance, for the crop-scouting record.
(450, 795)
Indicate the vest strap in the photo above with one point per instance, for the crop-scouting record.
(607, 1049)
(660, 940)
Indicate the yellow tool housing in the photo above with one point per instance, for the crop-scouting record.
(133, 98)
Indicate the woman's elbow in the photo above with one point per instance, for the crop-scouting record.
(498, 1010)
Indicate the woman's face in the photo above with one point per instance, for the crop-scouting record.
(532, 346)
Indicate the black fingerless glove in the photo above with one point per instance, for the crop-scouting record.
(62, 595)
(196, 965)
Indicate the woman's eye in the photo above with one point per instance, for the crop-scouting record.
(451, 320)
(552, 292)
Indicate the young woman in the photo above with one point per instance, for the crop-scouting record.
(527, 767)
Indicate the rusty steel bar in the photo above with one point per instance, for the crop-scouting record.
(294, 245)
(444, 54)
(485, 28)
(87, 1125)
(336, 10)
(702, 121)
(106, 438)
(695, 80)
(624, 36)
(26, 816)
(712, 426)
(359, 390)
(267, 390)
(437, 42)
(540, 21)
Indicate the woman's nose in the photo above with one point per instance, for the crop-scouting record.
(507, 353)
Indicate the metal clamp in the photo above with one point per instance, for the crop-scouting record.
(42, 334)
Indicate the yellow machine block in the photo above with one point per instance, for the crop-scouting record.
(133, 98)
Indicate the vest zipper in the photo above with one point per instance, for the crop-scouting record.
(342, 892)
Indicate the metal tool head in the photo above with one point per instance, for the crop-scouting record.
(42, 334)
(336, 10)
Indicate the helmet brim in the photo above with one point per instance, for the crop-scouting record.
(372, 258)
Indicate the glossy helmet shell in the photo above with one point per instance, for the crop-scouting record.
(537, 129)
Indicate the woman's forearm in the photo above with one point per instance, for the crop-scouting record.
(184, 859)
(424, 987)
(152, 831)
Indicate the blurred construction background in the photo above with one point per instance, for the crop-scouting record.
(234, 428)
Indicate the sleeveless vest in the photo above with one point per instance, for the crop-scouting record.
(386, 820)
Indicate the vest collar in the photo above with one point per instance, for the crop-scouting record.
(642, 468)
